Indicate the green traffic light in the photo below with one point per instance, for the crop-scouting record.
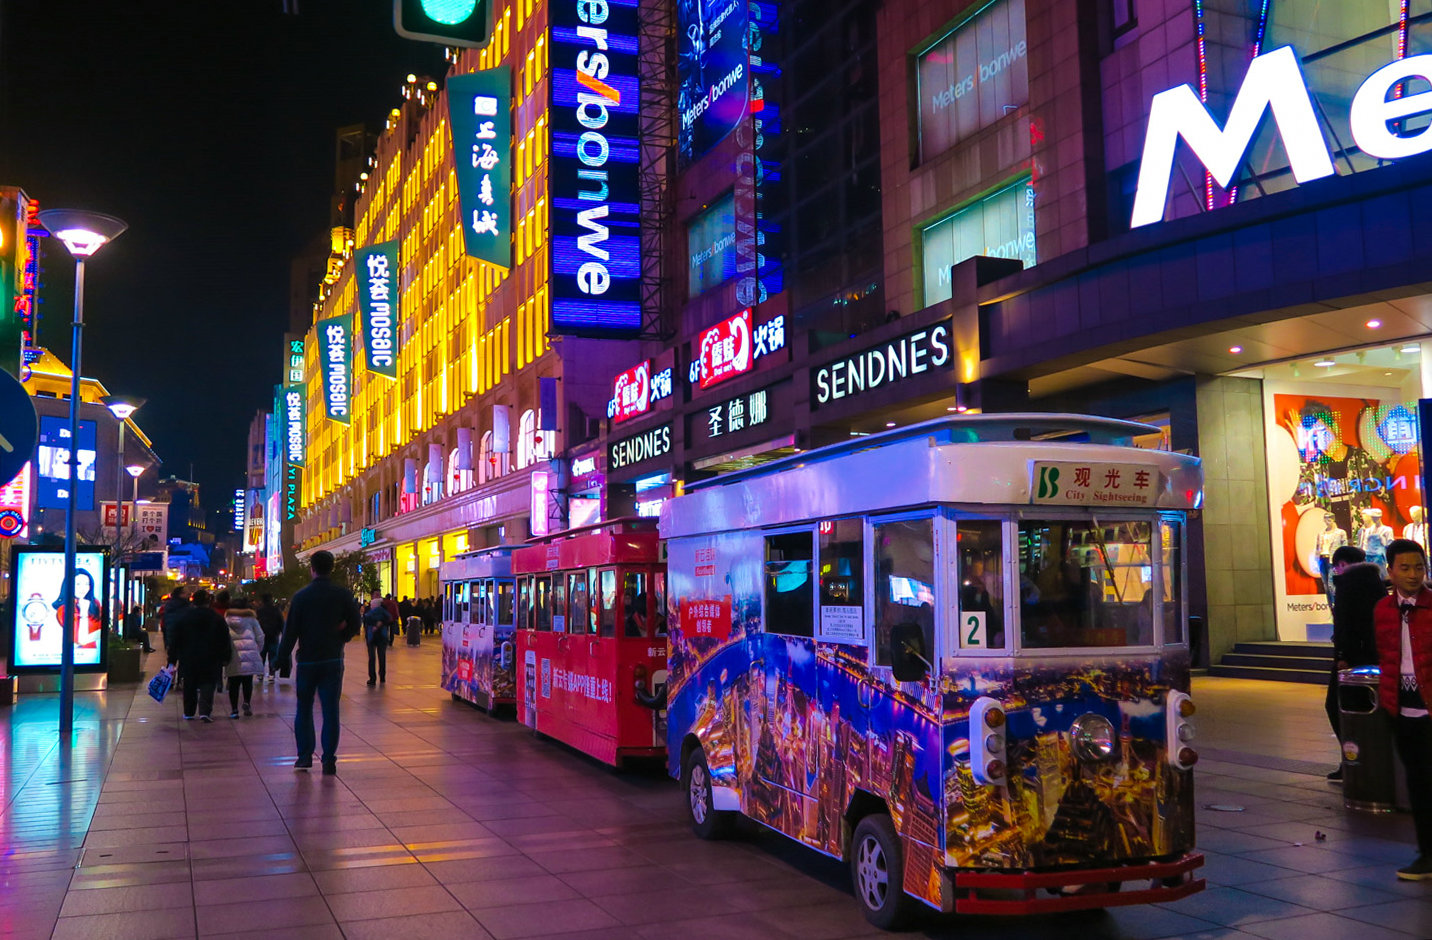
(449, 12)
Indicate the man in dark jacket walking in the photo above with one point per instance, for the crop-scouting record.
(201, 648)
(321, 619)
(169, 614)
(271, 621)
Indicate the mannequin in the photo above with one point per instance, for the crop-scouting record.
(1330, 540)
(1416, 530)
(1373, 538)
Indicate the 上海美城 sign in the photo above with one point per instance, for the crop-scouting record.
(480, 116)
(377, 270)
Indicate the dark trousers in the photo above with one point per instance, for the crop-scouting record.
(1414, 746)
(1331, 704)
(235, 684)
(325, 679)
(199, 693)
(378, 651)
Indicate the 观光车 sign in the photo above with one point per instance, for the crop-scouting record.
(1094, 484)
(639, 448)
(294, 406)
(904, 357)
(40, 622)
(377, 267)
(335, 349)
(19, 427)
(480, 115)
(595, 212)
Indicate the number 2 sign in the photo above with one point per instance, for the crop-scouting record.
(972, 630)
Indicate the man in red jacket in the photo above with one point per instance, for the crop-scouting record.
(1403, 626)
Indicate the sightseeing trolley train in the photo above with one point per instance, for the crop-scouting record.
(478, 594)
(955, 655)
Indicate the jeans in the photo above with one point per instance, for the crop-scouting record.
(1414, 745)
(326, 679)
(378, 650)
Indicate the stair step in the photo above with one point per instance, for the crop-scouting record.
(1322, 651)
(1308, 676)
(1277, 662)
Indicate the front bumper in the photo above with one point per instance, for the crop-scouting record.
(984, 892)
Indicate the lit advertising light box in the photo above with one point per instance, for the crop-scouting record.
(38, 618)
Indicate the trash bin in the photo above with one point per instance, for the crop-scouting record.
(414, 630)
(1373, 780)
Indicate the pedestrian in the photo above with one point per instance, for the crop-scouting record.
(221, 602)
(321, 619)
(377, 628)
(429, 614)
(1403, 624)
(1357, 586)
(245, 655)
(391, 606)
(168, 616)
(271, 622)
(201, 648)
(405, 609)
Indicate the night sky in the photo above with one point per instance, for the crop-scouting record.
(208, 126)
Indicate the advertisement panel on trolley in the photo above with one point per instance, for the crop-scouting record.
(39, 619)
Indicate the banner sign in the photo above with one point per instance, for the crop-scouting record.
(632, 392)
(480, 115)
(40, 621)
(377, 267)
(712, 72)
(904, 357)
(151, 521)
(294, 359)
(596, 228)
(107, 517)
(294, 406)
(335, 349)
(292, 491)
(15, 505)
(724, 351)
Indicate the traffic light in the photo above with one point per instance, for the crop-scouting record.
(465, 23)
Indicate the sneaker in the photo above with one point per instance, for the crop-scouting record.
(248, 712)
(372, 682)
(270, 678)
(303, 763)
(188, 717)
(233, 714)
(330, 769)
(1420, 870)
(206, 719)
(1335, 776)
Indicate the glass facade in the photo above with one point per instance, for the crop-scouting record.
(972, 77)
(1000, 226)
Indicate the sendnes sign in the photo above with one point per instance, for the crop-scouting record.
(1274, 83)
(904, 357)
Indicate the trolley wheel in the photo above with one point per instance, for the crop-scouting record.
(877, 867)
(706, 821)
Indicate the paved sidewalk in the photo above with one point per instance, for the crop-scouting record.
(445, 822)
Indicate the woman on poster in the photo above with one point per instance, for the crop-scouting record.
(87, 620)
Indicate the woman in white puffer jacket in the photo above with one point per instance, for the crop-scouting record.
(246, 638)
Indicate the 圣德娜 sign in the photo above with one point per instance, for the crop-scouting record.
(904, 357)
(480, 117)
(335, 350)
(1379, 119)
(1066, 483)
(733, 416)
(377, 271)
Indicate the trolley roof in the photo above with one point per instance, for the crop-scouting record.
(495, 562)
(978, 460)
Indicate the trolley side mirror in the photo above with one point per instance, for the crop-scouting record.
(907, 653)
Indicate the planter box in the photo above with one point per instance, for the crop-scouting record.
(124, 664)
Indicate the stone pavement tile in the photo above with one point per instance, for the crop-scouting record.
(479, 869)
(241, 846)
(783, 892)
(361, 856)
(1321, 926)
(656, 906)
(529, 825)
(243, 830)
(391, 902)
(344, 839)
(28, 927)
(1408, 915)
(557, 861)
(457, 925)
(103, 822)
(439, 832)
(1230, 907)
(34, 880)
(624, 880)
(531, 920)
(254, 888)
(1150, 922)
(304, 932)
(118, 876)
(311, 824)
(1238, 870)
(136, 898)
(1234, 841)
(477, 895)
(1319, 893)
(136, 925)
(260, 918)
(1383, 878)
(149, 834)
(347, 880)
(735, 927)
(462, 848)
(1305, 858)
(247, 866)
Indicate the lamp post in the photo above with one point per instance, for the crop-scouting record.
(135, 470)
(83, 233)
(122, 407)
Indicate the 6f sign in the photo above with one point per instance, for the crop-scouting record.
(1274, 83)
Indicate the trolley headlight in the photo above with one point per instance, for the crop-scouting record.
(1185, 733)
(1092, 736)
(1186, 708)
(994, 717)
(994, 743)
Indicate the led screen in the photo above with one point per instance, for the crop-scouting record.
(711, 247)
(39, 621)
(52, 485)
(712, 72)
(596, 229)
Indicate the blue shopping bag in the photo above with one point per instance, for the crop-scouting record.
(159, 685)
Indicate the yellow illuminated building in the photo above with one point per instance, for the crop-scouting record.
(421, 472)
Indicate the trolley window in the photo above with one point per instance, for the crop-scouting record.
(607, 599)
(635, 618)
(842, 580)
(577, 620)
(478, 591)
(542, 602)
(559, 604)
(790, 600)
(1083, 584)
(1171, 541)
(658, 591)
(504, 603)
(524, 603)
(904, 585)
(980, 624)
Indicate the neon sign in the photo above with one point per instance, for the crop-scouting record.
(480, 115)
(334, 341)
(731, 348)
(378, 299)
(631, 393)
(293, 419)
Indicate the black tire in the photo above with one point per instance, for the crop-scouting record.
(706, 821)
(877, 868)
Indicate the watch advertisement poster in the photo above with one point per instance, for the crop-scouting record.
(40, 619)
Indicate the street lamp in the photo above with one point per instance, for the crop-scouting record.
(83, 233)
(122, 407)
